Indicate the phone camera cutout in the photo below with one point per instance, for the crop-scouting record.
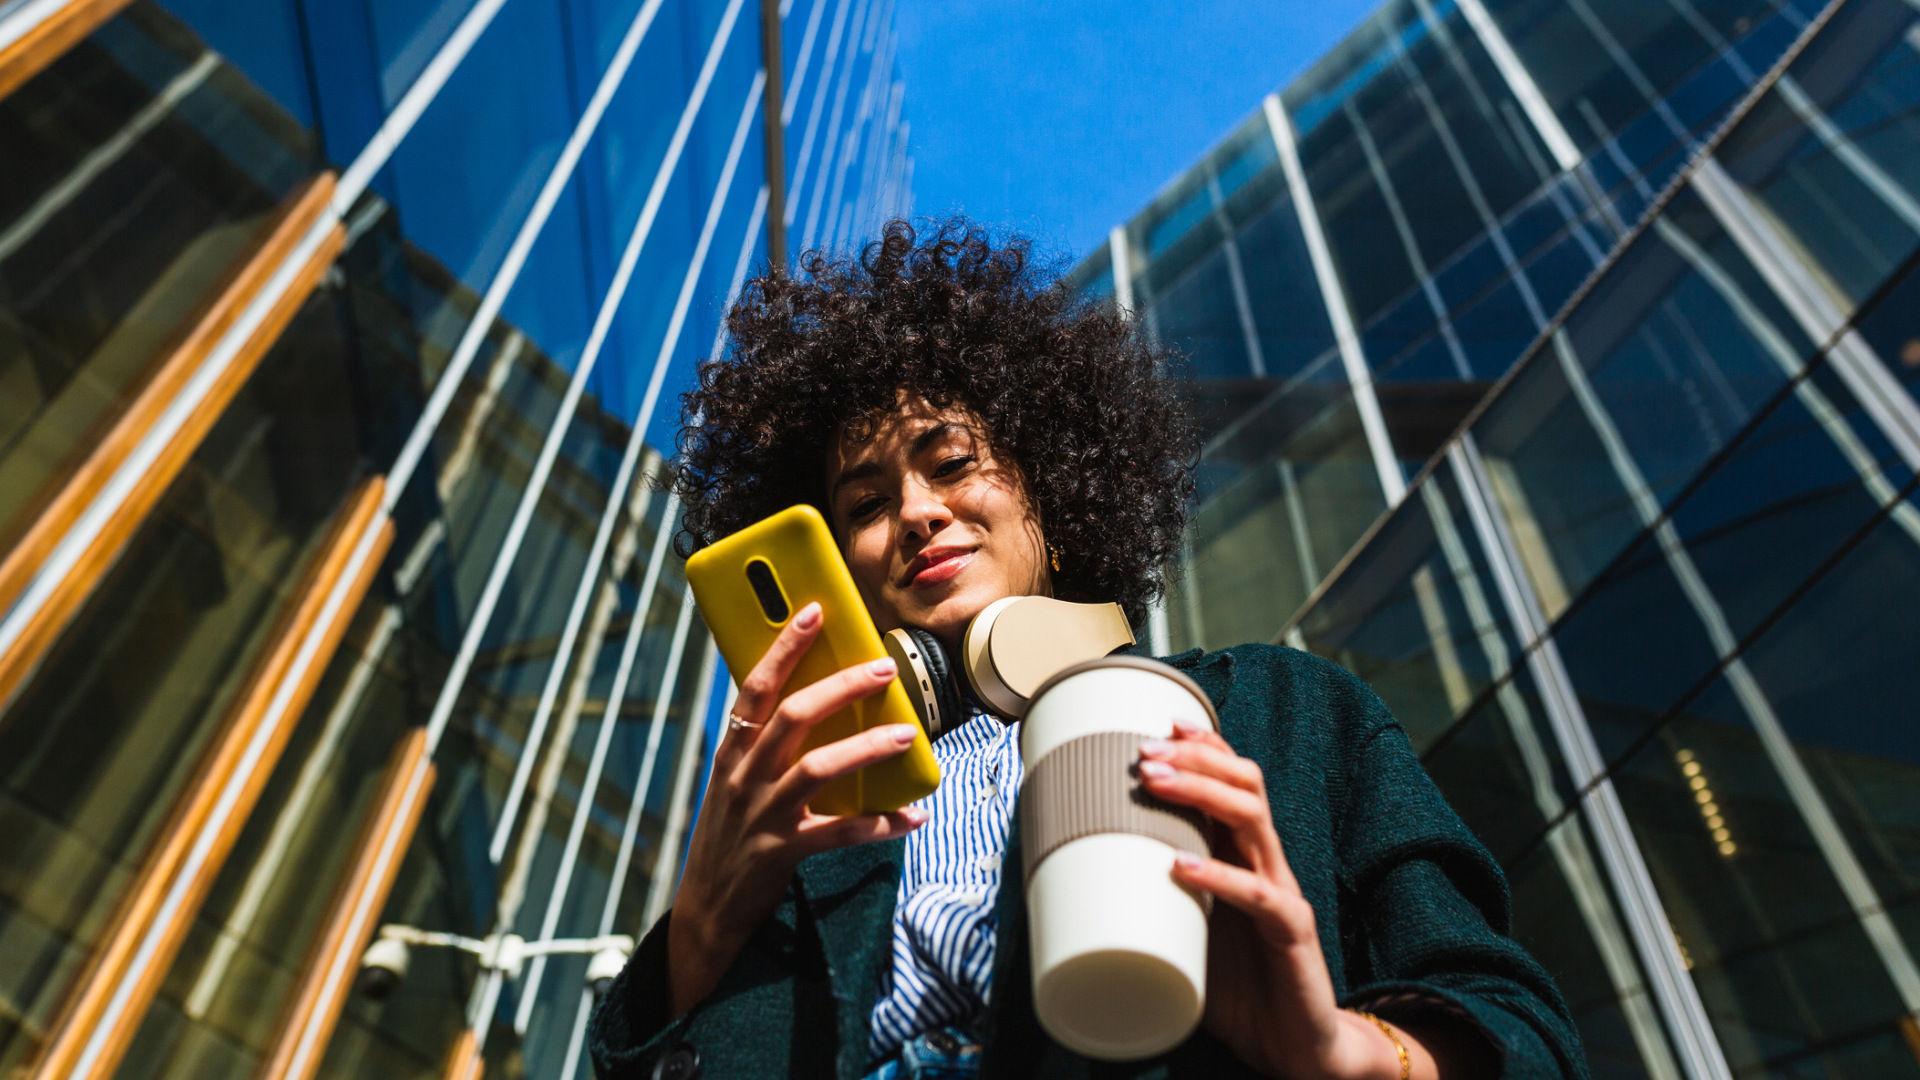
(772, 601)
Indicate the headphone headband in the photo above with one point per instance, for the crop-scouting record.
(1010, 650)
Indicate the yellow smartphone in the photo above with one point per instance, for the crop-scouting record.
(750, 584)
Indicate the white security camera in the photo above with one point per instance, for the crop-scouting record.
(605, 966)
(383, 966)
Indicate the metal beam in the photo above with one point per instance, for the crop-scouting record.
(1520, 83)
(1393, 482)
(773, 123)
(1701, 1057)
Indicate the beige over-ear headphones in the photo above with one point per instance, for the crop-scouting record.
(1010, 649)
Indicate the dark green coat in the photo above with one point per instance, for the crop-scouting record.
(1412, 914)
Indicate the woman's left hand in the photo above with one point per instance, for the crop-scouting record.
(1269, 994)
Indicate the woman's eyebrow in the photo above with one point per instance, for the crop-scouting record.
(932, 435)
(862, 471)
(868, 469)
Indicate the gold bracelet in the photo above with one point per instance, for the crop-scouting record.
(1406, 1062)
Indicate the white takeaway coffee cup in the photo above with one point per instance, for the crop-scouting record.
(1119, 949)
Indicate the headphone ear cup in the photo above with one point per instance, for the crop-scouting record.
(946, 700)
(927, 677)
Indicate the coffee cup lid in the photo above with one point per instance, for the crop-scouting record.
(1123, 660)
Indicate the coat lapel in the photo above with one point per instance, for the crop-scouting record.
(850, 894)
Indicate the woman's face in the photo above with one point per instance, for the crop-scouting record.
(932, 525)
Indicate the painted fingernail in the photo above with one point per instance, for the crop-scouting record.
(882, 668)
(1188, 728)
(1186, 860)
(904, 733)
(1156, 748)
(808, 618)
(1156, 770)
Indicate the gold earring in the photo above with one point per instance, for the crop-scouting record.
(1054, 554)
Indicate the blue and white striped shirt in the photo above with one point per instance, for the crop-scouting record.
(943, 919)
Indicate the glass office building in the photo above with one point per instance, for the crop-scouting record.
(1557, 360)
(340, 343)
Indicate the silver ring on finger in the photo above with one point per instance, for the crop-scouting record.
(735, 722)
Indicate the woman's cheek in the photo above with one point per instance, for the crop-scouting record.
(870, 561)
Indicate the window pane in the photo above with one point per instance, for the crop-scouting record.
(1262, 538)
(1787, 973)
(140, 170)
(1288, 310)
(1199, 316)
(102, 741)
(1568, 919)
(1830, 151)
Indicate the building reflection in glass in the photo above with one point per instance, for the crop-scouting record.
(1633, 293)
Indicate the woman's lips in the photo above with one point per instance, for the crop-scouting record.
(941, 572)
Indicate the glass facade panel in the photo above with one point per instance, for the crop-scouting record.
(1787, 971)
(1846, 713)
(1201, 314)
(445, 883)
(1603, 66)
(1407, 643)
(1591, 439)
(1503, 773)
(566, 680)
(643, 750)
(1312, 496)
(101, 744)
(1695, 496)
(1354, 211)
(406, 35)
(1785, 501)
(1283, 295)
(452, 173)
(245, 953)
(140, 172)
(1838, 171)
(1566, 918)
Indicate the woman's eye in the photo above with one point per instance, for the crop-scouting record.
(865, 507)
(953, 465)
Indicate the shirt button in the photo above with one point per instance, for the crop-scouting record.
(989, 863)
(988, 791)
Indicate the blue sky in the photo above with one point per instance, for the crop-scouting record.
(1061, 118)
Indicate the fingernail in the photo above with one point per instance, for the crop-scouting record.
(882, 668)
(1188, 727)
(1156, 748)
(904, 733)
(1156, 770)
(914, 815)
(1186, 860)
(808, 618)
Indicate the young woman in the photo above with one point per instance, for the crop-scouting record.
(973, 431)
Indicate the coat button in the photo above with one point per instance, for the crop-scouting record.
(680, 1062)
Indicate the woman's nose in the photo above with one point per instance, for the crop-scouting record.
(922, 511)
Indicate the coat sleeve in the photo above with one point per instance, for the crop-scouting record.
(771, 996)
(1425, 912)
(631, 1024)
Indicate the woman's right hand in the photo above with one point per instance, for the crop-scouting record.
(754, 823)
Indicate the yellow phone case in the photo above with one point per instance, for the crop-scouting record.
(797, 548)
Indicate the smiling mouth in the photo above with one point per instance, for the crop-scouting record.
(940, 570)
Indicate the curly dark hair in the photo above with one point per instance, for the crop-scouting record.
(1068, 390)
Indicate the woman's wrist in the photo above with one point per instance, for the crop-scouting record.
(1388, 1057)
(694, 959)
